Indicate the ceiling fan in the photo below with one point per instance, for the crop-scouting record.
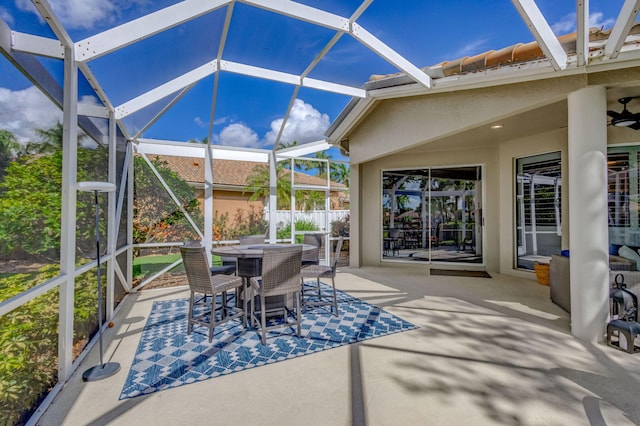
(625, 118)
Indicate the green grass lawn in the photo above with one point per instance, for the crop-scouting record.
(149, 265)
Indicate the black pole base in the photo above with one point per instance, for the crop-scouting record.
(100, 372)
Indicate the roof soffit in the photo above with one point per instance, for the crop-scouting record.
(413, 121)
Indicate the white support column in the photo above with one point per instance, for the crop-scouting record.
(208, 199)
(292, 200)
(588, 228)
(273, 206)
(354, 217)
(112, 220)
(131, 194)
(68, 222)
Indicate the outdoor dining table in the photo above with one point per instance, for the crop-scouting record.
(253, 251)
(249, 258)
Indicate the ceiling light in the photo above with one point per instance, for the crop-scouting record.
(623, 122)
(497, 126)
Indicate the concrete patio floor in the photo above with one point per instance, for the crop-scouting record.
(487, 351)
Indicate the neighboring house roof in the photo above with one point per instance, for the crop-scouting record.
(230, 173)
(496, 67)
(511, 55)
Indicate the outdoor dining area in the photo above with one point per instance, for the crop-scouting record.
(318, 212)
(496, 356)
(268, 279)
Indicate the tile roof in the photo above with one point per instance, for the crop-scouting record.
(514, 54)
(227, 172)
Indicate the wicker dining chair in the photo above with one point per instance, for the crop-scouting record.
(203, 310)
(280, 277)
(248, 268)
(312, 257)
(228, 266)
(251, 239)
(323, 271)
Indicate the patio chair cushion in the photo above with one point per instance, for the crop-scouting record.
(631, 254)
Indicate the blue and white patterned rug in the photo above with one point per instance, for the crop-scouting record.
(167, 357)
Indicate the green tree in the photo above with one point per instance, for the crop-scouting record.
(156, 217)
(8, 148)
(340, 173)
(32, 199)
(258, 184)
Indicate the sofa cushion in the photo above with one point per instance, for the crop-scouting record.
(631, 254)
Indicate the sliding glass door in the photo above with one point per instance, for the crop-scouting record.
(432, 214)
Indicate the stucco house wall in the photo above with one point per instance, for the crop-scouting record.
(450, 129)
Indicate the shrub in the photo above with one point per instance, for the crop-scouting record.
(29, 341)
(301, 225)
(340, 227)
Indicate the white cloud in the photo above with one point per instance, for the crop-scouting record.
(23, 111)
(199, 122)
(6, 16)
(85, 14)
(470, 49)
(567, 23)
(239, 135)
(596, 20)
(305, 124)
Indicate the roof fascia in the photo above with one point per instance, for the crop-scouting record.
(519, 73)
(351, 115)
(621, 28)
(542, 32)
(143, 27)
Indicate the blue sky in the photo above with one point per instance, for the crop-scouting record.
(249, 110)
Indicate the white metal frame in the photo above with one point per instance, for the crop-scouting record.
(18, 47)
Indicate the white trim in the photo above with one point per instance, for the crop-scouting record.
(43, 46)
(582, 32)
(144, 27)
(163, 110)
(390, 55)
(93, 110)
(68, 212)
(166, 89)
(186, 149)
(112, 225)
(18, 300)
(302, 12)
(304, 149)
(287, 78)
(621, 28)
(156, 275)
(47, 13)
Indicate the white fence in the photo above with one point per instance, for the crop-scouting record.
(315, 216)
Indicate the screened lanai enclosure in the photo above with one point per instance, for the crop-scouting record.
(112, 105)
(210, 119)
